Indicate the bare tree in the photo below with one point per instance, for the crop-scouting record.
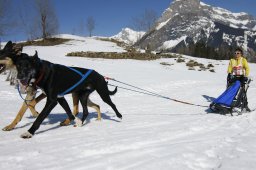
(90, 25)
(47, 19)
(145, 21)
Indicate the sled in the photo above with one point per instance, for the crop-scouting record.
(233, 99)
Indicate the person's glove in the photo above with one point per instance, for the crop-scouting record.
(245, 79)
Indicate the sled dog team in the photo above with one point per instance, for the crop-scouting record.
(55, 81)
(58, 80)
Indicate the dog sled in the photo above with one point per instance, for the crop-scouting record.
(233, 99)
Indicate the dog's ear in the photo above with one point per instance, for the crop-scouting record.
(8, 46)
(36, 54)
(35, 58)
(17, 49)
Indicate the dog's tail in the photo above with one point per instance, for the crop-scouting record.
(112, 92)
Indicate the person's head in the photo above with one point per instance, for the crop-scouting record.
(238, 52)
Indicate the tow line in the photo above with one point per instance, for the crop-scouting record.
(143, 91)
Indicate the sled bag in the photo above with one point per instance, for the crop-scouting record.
(227, 97)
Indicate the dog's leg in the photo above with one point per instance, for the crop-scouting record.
(95, 106)
(62, 101)
(50, 104)
(75, 103)
(75, 109)
(13, 77)
(83, 99)
(12, 81)
(17, 118)
(24, 107)
(65, 106)
(31, 104)
(104, 94)
(9, 75)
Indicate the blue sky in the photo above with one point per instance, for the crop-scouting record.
(112, 15)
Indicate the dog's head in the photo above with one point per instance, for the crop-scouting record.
(27, 67)
(8, 55)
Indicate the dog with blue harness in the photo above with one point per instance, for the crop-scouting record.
(57, 80)
(6, 62)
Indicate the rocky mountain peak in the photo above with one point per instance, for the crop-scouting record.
(187, 24)
(185, 6)
(128, 36)
(180, 7)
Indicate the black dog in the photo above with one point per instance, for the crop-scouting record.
(9, 55)
(54, 79)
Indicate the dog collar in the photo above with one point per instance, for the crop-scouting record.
(41, 75)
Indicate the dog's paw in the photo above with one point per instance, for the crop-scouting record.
(119, 115)
(66, 122)
(8, 128)
(98, 119)
(78, 122)
(26, 135)
(35, 115)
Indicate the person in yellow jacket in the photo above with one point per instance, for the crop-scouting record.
(238, 69)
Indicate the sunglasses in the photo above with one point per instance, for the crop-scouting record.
(237, 53)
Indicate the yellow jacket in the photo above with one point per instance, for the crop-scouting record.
(235, 62)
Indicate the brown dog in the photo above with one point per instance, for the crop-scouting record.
(8, 63)
(31, 106)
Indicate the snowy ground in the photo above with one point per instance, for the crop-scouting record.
(155, 133)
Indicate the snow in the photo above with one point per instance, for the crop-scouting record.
(234, 20)
(128, 36)
(228, 38)
(155, 133)
(231, 20)
(76, 44)
(239, 14)
(254, 28)
(173, 43)
(203, 4)
(233, 26)
(160, 25)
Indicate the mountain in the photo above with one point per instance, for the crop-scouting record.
(128, 36)
(187, 24)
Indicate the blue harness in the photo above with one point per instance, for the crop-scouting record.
(84, 76)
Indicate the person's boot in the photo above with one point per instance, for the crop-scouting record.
(247, 109)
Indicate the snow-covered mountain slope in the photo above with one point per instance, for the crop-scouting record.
(155, 133)
(197, 22)
(128, 36)
(236, 20)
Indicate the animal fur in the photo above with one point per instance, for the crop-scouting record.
(7, 63)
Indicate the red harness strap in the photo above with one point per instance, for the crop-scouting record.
(40, 77)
